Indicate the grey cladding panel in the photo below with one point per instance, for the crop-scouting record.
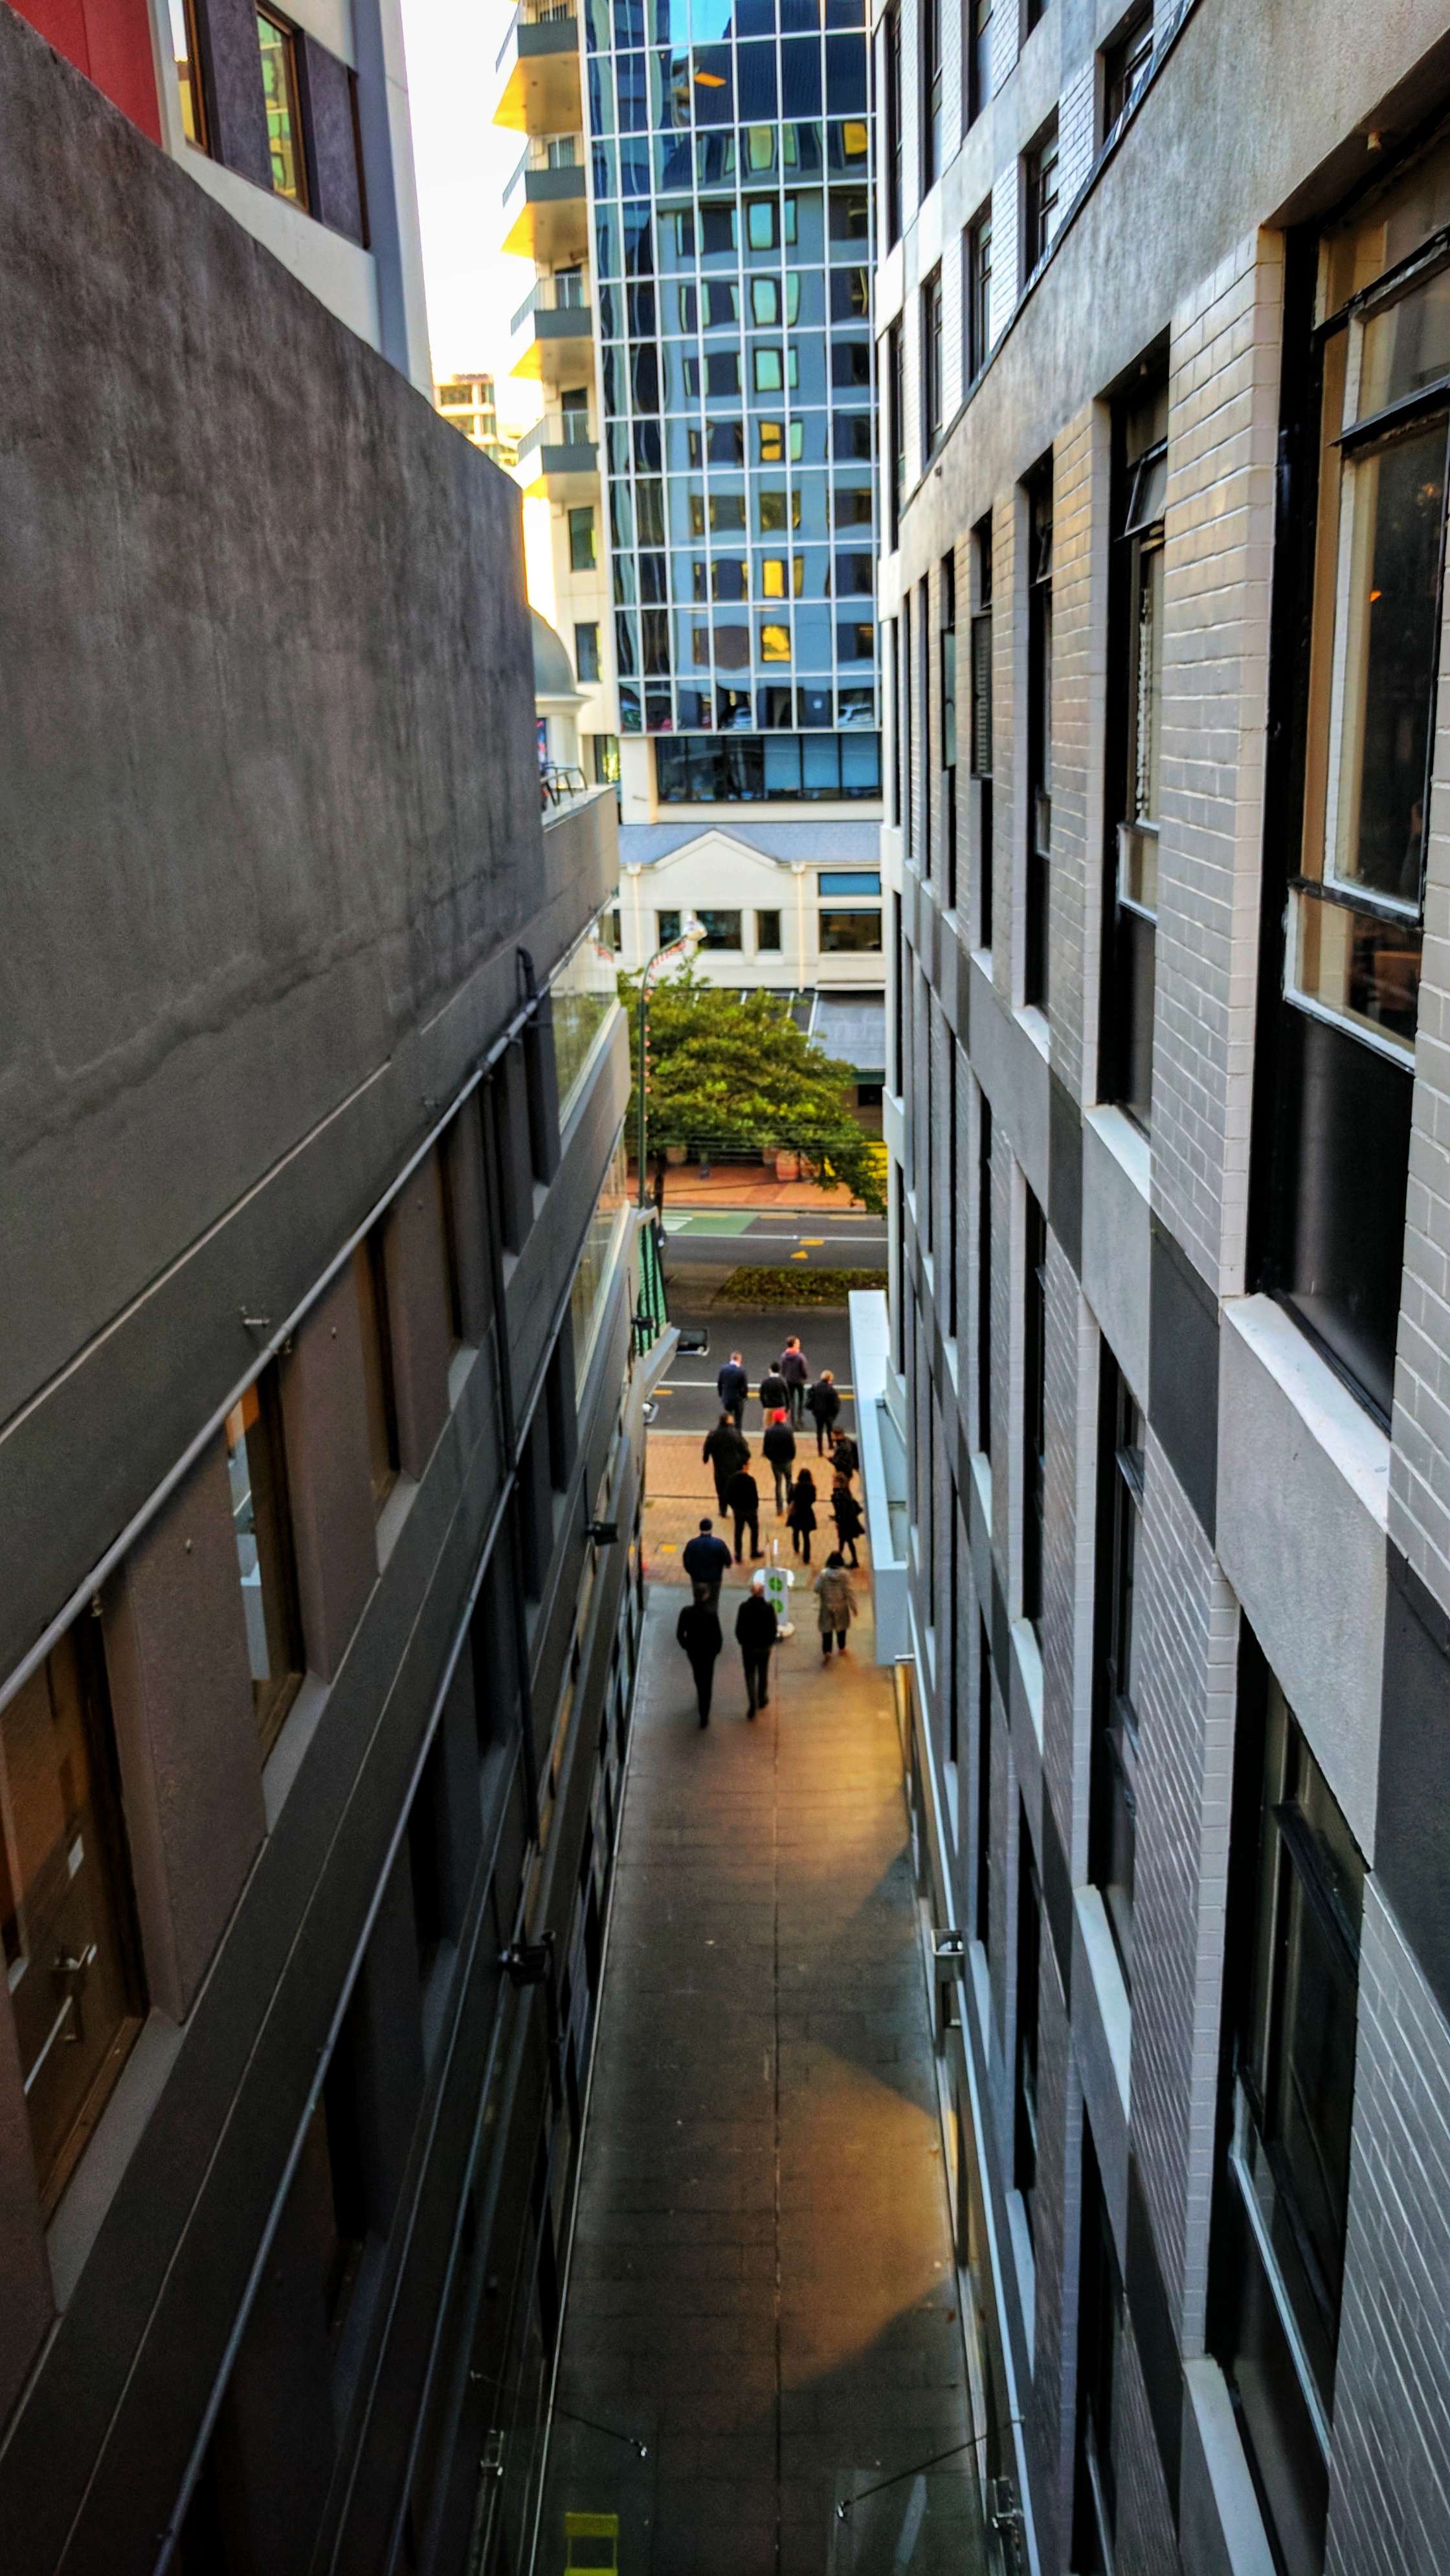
(1183, 1372)
(236, 106)
(332, 158)
(1064, 1169)
(1412, 1850)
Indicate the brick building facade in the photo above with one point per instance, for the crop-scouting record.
(1167, 779)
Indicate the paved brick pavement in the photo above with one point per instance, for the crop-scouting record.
(762, 2288)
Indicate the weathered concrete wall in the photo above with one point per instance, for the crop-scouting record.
(267, 800)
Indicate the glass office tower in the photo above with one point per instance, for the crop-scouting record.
(733, 225)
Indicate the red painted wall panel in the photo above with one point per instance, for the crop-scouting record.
(110, 41)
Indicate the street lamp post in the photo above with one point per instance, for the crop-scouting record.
(691, 934)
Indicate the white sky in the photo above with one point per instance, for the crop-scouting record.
(463, 163)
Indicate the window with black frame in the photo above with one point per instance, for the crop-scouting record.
(979, 57)
(931, 94)
(892, 50)
(981, 720)
(1039, 730)
(1370, 367)
(1112, 1819)
(1127, 61)
(1291, 1996)
(1034, 1409)
(1135, 764)
(1029, 1968)
(979, 292)
(896, 381)
(949, 723)
(1099, 2377)
(931, 363)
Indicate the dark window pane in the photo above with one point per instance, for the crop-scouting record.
(64, 1916)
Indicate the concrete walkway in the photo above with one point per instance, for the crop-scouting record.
(763, 2290)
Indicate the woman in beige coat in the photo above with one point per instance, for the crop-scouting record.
(836, 1609)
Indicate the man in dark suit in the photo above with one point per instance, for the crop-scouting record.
(734, 1387)
(705, 1561)
(698, 1630)
(755, 1636)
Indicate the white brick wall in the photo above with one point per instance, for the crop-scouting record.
(1006, 239)
(1222, 431)
(1420, 1458)
(1079, 617)
(1185, 1659)
(1076, 130)
(1147, 2544)
(1389, 2506)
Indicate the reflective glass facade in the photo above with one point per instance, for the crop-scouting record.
(732, 184)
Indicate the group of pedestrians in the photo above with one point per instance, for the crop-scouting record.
(787, 1394)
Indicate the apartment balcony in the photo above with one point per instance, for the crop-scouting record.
(538, 68)
(544, 203)
(559, 456)
(551, 331)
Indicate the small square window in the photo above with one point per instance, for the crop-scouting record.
(762, 222)
(765, 300)
(767, 932)
(774, 643)
(769, 378)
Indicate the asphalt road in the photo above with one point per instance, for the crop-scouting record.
(703, 1241)
(688, 1400)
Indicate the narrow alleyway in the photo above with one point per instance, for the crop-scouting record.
(762, 2290)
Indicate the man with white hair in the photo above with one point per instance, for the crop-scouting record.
(755, 1636)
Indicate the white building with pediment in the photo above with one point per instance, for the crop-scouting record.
(794, 908)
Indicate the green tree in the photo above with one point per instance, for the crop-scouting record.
(738, 1076)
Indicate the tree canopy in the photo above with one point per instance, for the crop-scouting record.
(731, 1075)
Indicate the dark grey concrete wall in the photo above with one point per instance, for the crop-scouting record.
(267, 795)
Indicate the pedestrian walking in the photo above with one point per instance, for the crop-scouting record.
(845, 1456)
(801, 1518)
(846, 1513)
(742, 1501)
(726, 1448)
(755, 1633)
(706, 1560)
(774, 1393)
(836, 1609)
(795, 1368)
(779, 1447)
(825, 1405)
(734, 1387)
(697, 1629)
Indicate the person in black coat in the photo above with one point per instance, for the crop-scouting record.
(755, 1630)
(734, 1387)
(725, 1449)
(825, 1406)
(742, 1502)
(801, 1518)
(774, 1393)
(846, 1513)
(706, 1561)
(845, 1456)
(697, 1629)
(795, 1368)
(779, 1447)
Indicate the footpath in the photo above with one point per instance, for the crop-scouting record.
(763, 2293)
